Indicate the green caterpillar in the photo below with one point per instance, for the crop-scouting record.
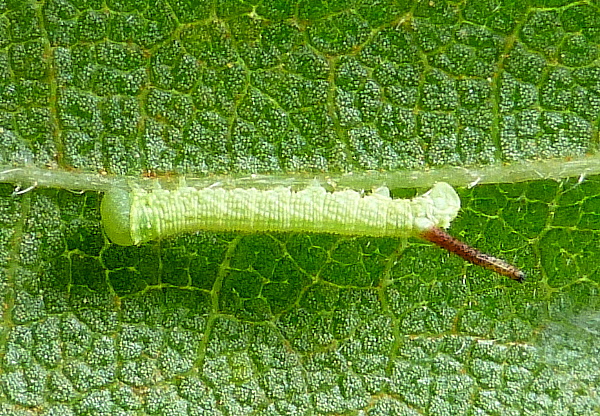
(138, 216)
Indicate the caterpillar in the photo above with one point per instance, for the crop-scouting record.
(136, 216)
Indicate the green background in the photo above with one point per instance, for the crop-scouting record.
(298, 324)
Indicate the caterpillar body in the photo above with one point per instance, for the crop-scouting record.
(137, 216)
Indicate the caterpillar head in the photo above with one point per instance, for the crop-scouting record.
(115, 210)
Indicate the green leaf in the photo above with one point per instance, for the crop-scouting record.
(488, 93)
